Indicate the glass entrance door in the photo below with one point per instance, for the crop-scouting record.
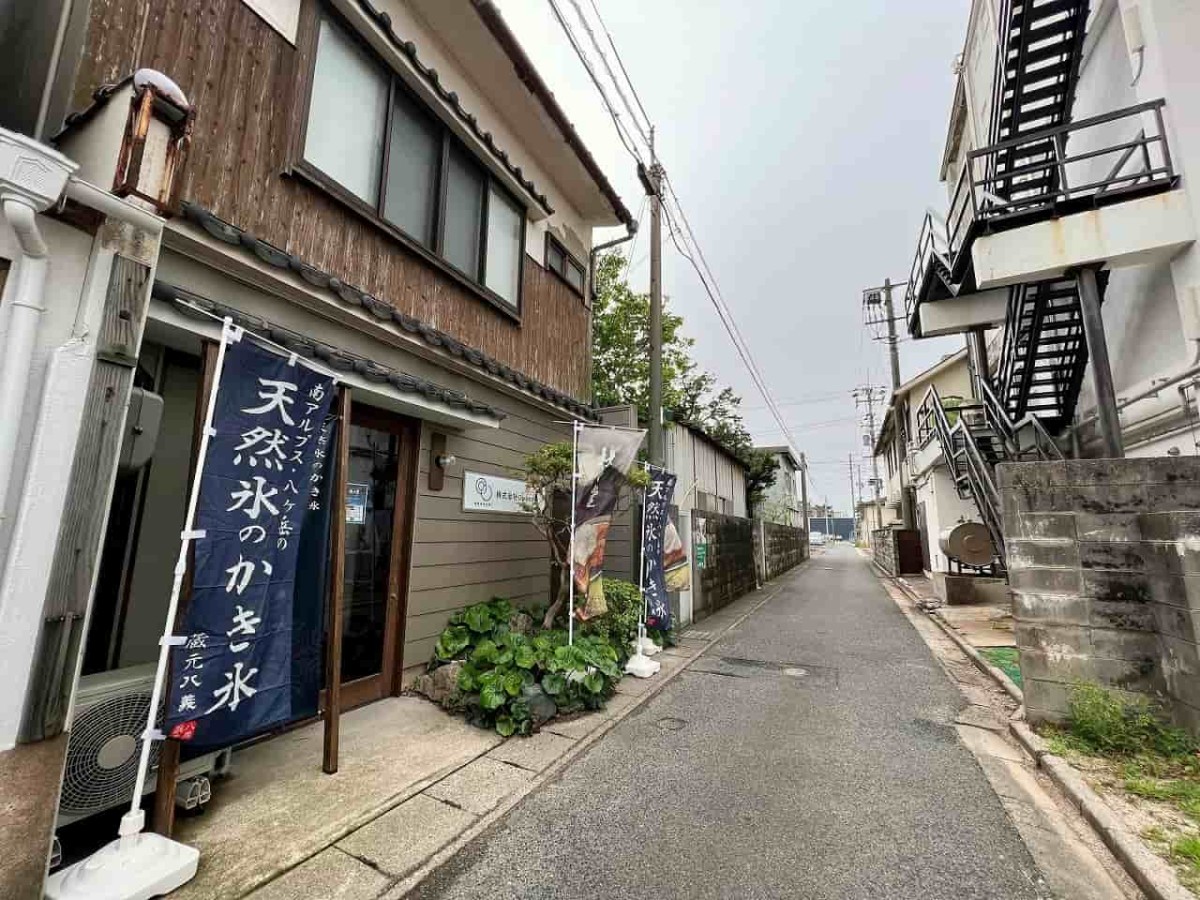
(376, 547)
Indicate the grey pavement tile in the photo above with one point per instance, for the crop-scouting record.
(580, 726)
(402, 839)
(330, 875)
(480, 785)
(535, 752)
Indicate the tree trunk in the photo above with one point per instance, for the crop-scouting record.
(561, 595)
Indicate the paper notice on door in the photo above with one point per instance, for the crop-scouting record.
(356, 503)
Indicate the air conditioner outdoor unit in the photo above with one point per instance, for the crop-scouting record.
(102, 756)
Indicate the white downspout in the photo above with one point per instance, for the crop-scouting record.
(24, 314)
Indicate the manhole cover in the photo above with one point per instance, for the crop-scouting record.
(670, 723)
(693, 633)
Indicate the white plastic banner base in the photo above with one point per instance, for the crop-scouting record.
(641, 666)
(647, 647)
(135, 867)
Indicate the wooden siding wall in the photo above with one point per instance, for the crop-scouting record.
(244, 80)
(460, 558)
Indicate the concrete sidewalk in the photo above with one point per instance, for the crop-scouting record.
(414, 783)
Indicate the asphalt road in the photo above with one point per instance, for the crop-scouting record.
(809, 754)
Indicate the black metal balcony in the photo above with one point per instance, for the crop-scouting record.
(1042, 175)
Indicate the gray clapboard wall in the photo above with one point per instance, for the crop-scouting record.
(460, 558)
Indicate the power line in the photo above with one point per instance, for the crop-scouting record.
(620, 62)
(622, 133)
(701, 265)
(708, 281)
(633, 243)
(607, 68)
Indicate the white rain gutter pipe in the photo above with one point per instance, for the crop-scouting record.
(87, 194)
(24, 314)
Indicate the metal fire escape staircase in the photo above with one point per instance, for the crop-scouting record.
(1027, 175)
(1037, 64)
(982, 437)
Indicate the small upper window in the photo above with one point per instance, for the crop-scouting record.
(560, 261)
(369, 134)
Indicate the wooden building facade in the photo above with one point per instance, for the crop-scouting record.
(387, 188)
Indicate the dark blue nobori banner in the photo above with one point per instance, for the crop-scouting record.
(658, 507)
(260, 486)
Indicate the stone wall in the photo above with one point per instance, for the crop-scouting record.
(728, 571)
(897, 550)
(786, 547)
(1104, 567)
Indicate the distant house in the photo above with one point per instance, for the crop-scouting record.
(783, 501)
(919, 489)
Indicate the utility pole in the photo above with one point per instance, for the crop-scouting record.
(804, 492)
(853, 502)
(868, 395)
(873, 300)
(893, 347)
(656, 386)
(879, 315)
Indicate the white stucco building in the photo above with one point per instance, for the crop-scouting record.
(784, 501)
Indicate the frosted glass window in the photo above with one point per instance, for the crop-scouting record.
(346, 117)
(412, 172)
(464, 213)
(503, 271)
(575, 276)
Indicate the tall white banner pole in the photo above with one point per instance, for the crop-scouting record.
(642, 570)
(135, 820)
(576, 427)
(640, 665)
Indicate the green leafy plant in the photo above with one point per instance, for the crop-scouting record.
(619, 626)
(1102, 722)
(473, 624)
(500, 666)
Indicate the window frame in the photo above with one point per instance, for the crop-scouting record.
(568, 258)
(302, 168)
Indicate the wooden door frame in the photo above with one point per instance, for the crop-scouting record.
(370, 688)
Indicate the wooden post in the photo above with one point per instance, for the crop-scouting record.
(168, 753)
(337, 577)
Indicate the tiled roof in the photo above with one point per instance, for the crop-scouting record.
(402, 323)
(333, 357)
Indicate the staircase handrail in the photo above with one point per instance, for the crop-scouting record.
(932, 241)
(977, 471)
(1001, 423)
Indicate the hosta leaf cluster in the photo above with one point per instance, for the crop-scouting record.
(503, 671)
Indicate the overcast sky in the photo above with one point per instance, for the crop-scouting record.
(804, 139)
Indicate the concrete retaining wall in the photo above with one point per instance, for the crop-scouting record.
(728, 571)
(785, 548)
(1104, 567)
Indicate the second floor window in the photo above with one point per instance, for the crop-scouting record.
(560, 261)
(367, 133)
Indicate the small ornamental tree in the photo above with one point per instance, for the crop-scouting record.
(548, 475)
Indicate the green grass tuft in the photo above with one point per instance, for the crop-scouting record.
(1105, 723)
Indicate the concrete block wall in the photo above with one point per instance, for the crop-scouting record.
(1104, 568)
